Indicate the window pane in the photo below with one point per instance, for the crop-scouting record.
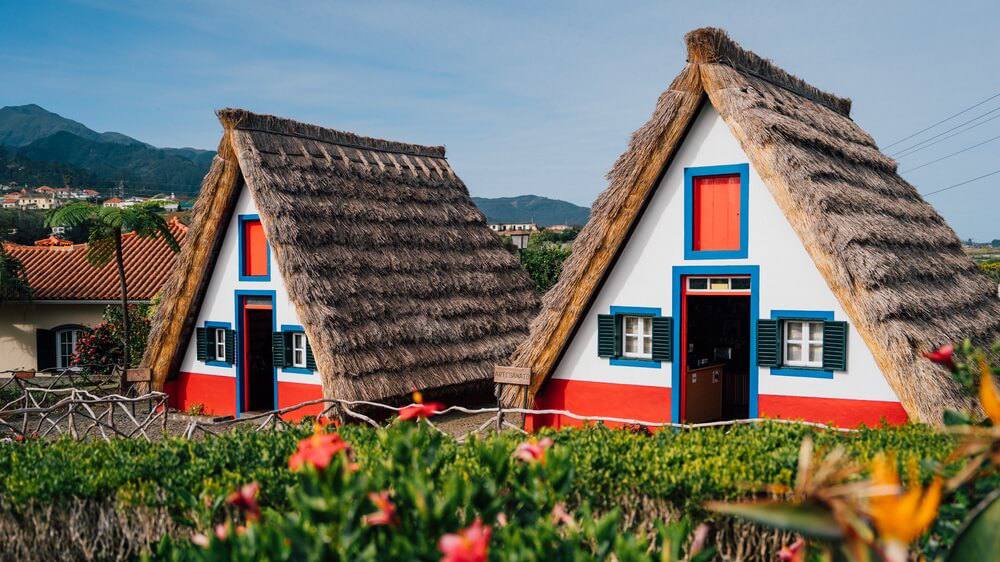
(720, 284)
(647, 345)
(816, 331)
(794, 352)
(631, 344)
(816, 353)
(697, 283)
(631, 324)
(795, 331)
(647, 325)
(741, 284)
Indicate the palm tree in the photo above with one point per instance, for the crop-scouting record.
(13, 282)
(105, 242)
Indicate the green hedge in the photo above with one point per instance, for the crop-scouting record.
(647, 478)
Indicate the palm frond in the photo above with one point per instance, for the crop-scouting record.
(100, 247)
(13, 281)
(112, 216)
(74, 214)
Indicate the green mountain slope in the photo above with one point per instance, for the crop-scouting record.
(23, 124)
(531, 208)
(30, 172)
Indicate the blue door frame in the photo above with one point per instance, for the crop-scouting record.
(240, 335)
(678, 274)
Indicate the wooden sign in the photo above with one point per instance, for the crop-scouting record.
(24, 374)
(138, 375)
(512, 375)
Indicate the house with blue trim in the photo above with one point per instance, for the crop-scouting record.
(754, 255)
(320, 263)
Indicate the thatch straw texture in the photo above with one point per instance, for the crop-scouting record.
(394, 275)
(890, 259)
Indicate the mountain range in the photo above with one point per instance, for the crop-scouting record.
(40, 147)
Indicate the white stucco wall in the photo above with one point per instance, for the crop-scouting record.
(220, 300)
(19, 322)
(789, 280)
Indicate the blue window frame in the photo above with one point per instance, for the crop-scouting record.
(210, 327)
(243, 219)
(804, 315)
(300, 370)
(689, 175)
(632, 361)
(677, 274)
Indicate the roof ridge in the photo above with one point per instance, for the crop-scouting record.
(713, 45)
(244, 120)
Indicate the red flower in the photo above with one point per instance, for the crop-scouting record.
(386, 514)
(533, 451)
(793, 553)
(317, 451)
(942, 355)
(420, 410)
(471, 544)
(246, 500)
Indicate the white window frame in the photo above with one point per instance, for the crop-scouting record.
(299, 350)
(810, 330)
(643, 334)
(709, 280)
(219, 344)
(62, 362)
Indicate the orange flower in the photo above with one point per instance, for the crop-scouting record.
(988, 393)
(246, 500)
(317, 451)
(420, 410)
(942, 355)
(471, 544)
(793, 552)
(386, 514)
(533, 450)
(902, 517)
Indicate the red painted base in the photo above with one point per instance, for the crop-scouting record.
(650, 403)
(647, 403)
(216, 394)
(835, 411)
(292, 393)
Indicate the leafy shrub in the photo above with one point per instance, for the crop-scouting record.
(100, 348)
(543, 263)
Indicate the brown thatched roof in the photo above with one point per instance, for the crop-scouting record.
(890, 259)
(393, 272)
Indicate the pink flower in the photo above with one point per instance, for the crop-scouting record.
(943, 356)
(200, 540)
(386, 514)
(533, 451)
(246, 500)
(793, 553)
(221, 532)
(420, 410)
(471, 544)
(317, 451)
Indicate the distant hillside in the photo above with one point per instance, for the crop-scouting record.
(531, 208)
(45, 144)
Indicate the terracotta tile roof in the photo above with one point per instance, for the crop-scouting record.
(53, 240)
(62, 272)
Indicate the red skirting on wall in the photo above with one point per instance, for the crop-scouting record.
(646, 403)
(292, 393)
(216, 394)
(836, 411)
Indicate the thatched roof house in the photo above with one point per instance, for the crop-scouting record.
(895, 269)
(382, 261)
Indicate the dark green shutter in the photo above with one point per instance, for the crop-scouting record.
(835, 346)
(230, 346)
(278, 349)
(768, 343)
(310, 360)
(607, 336)
(663, 338)
(201, 338)
(45, 349)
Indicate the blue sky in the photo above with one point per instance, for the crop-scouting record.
(529, 97)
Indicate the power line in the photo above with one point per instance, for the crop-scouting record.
(946, 131)
(941, 121)
(952, 154)
(912, 152)
(961, 183)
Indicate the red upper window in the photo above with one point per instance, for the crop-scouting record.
(254, 249)
(716, 216)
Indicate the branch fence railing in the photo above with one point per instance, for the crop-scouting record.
(42, 411)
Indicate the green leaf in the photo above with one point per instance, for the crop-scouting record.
(953, 418)
(808, 520)
(979, 539)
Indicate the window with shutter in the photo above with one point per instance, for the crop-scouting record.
(802, 343)
(663, 338)
(607, 335)
(216, 344)
(201, 343)
(835, 345)
(768, 342)
(230, 347)
(635, 336)
(278, 350)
